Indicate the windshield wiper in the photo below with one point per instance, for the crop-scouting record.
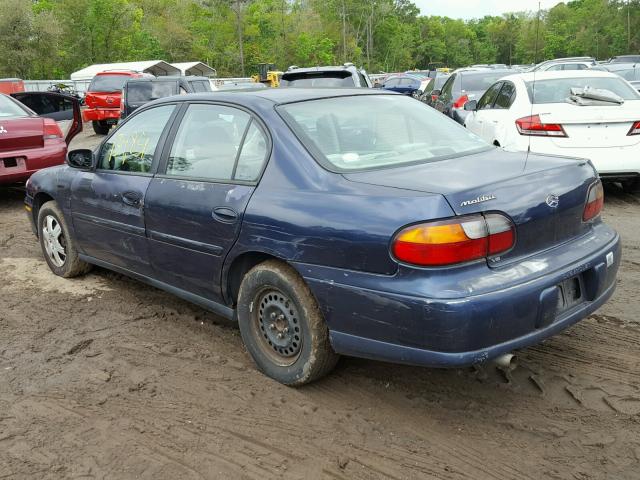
(589, 96)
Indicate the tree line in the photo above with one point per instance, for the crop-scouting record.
(52, 38)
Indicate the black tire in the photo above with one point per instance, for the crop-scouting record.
(50, 216)
(101, 127)
(631, 186)
(304, 353)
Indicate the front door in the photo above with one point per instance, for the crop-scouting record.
(194, 206)
(108, 202)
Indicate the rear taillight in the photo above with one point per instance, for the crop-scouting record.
(454, 241)
(595, 202)
(461, 101)
(533, 126)
(635, 129)
(51, 129)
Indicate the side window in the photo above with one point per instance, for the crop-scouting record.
(506, 96)
(489, 97)
(132, 146)
(554, 68)
(447, 88)
(209, 145)
(391, 83)
(252, 155)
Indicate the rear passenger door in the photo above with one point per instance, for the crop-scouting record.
(195, 205)
(497, 115)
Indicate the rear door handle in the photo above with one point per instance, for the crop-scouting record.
(225, 214)
(132, 198)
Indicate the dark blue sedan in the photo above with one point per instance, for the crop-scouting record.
(335, 222)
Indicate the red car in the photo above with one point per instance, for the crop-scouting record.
(103, 98)
(30, 136)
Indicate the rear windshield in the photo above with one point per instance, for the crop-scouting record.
(108, 83)
(200, 85)
(375, 131)
(9, 108)
(630, 74)
(558, 90)
(143, 92)
(318, 79)
(479, 82)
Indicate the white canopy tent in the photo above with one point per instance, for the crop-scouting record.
(195, 68)
(158, 68)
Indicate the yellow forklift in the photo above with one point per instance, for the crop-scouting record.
(268, 75)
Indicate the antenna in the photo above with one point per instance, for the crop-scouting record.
(533, 88)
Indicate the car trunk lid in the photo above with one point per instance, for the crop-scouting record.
(21, 133)
(103, 99)
(601, 126)
(544, 196)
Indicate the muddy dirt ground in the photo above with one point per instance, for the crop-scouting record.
(104, 377)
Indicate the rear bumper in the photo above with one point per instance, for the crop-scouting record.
(451, 332)
(30, 161)
(100, 114)
(612, 162)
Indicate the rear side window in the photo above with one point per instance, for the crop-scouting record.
(558, 89)
(132, 146)
(108, 83)
(143, 92)
(489, 97)
(506, 96)
(216, 142)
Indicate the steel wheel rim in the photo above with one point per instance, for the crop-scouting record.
(277, 326)
(54, 241)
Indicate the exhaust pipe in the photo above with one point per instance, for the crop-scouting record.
(506, 361)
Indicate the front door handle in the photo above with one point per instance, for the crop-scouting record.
(225, 214)
(132, 199)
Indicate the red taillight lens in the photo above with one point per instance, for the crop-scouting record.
(461, 101)
(635, 129)
(533, 126)
(595, 202)
(454, 241)
(51, 129)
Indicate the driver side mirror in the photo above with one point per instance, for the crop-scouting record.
(81, 159)
(471, 106)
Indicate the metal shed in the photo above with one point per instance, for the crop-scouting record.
(196, 68)
(158, 68)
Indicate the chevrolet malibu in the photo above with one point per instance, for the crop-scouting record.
(333, 222)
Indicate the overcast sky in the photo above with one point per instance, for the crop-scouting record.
(478, 8)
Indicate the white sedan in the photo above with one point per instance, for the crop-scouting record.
(585, 114)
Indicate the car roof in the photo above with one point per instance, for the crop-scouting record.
(613, 67)
(480, 73)
(335, 68)
(186, 78)
(277, 96)
(531, 76)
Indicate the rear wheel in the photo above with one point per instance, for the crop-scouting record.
(58, 248)
(282, 326)
(101, 127)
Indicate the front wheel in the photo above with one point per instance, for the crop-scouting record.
(101, 127)
(58, 248)
(282, 326)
